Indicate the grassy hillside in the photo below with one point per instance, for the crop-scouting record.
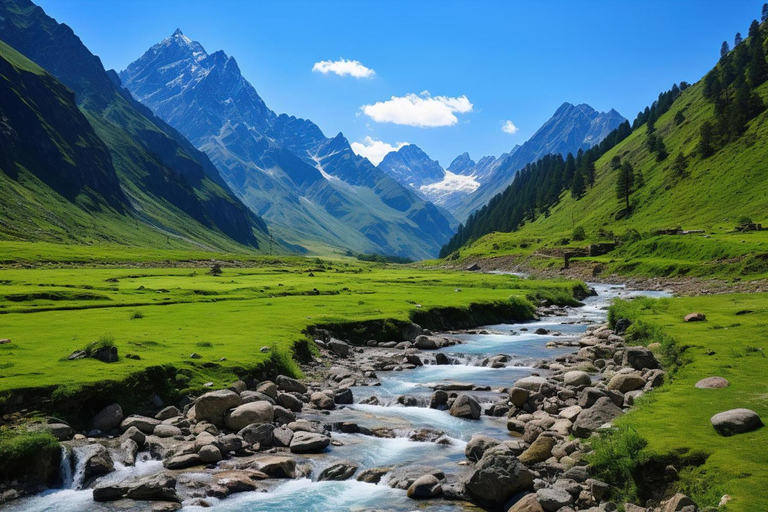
(713, 194)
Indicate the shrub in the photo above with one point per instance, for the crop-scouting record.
(616, 455)
(215, 270)
(137, 315)
(579, 234)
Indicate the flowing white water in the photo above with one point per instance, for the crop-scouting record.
(522, 347)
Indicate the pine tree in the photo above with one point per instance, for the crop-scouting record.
(765, 13)
(724, 49)
(679, 118)
(737, 40)
(680, 166)
(625, 183)
(707, 140)
(589, 172)
(757, 71)
(578, 187)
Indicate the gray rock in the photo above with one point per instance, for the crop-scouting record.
(534, 384)
(230, 443)
(129, 450)
(625, 382)
(339, 348)
(289, 384)
(183, 461)
(247, 414)
(553, 500)
(466, 406)
(680, 503)
(439, 399)
(498, 476)
(373, 475)
(134, 434)
(290, 402)
(213, 406)
(146, 425)
(478, 445)
(425, 487)
(695, 317)
(425, 343)
(577, 379)
(404, 476)
(166, 431)
(282, 436)
(96, 461)
(640, 358)
(712, 383)
(168, 413)
(603, 411)
(528, 503)
(108, 418)
(338, 471)
(276, 466)
(343, 396)
(322, 401)
(261, 433)
(736, 421)
(269, 388)
(210, 454)
(441, 359)
(159, 487)
(309, 442)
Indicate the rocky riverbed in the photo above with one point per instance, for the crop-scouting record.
(495, 417)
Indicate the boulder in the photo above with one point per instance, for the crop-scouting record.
(166, 431)
(621, 326)
(403, 477)
(640, 358)
(373, 475)
(603, 411)
(282, 436)
(625, 382)
(61, 431)
(680, 503)
(338, 471)
(146, 425)
(309, 442)
(168, 413)
(96, 461)
(322, 401)
(534, 384)
(736, 421)
(477, 446)
(425, 343)
(230, 443)
(441, 359)
(438, 400)
(269, 388)
(159, 487)
(577, 379)
(695, 317)
(247, 414)
(425, 487)
(339, 348)
(290, 402)
(210, 454)
(343, 397)
(213, 406)
(258, 433)
(105, 354)
(466, 406)
(289, 384)
(712, 383)
(183, 461)
(135, 435)
(498, 476)
(554, 499)
(108, 418)
(276, 466)
(528, 503)
(518, 396)
(539, 451)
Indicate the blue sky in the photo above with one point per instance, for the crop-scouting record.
(512, 61)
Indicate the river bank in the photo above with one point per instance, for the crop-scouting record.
(388, 415)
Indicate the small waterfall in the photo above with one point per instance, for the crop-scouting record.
(65, 468)
(80, 460)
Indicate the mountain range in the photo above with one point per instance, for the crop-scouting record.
(311, 189)
(71, 133)
(464, 186)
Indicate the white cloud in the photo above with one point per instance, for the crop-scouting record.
(343, 67)
(375, 150)
(422, 110)
(509, 127)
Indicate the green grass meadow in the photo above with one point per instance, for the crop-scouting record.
(675, 420)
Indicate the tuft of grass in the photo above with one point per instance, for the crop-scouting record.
(136, 315)
(616, 455)
(20, 449)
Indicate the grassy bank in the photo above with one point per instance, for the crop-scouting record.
(673, 422)
(162, 316)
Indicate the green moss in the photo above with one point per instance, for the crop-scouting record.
(26, 455)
